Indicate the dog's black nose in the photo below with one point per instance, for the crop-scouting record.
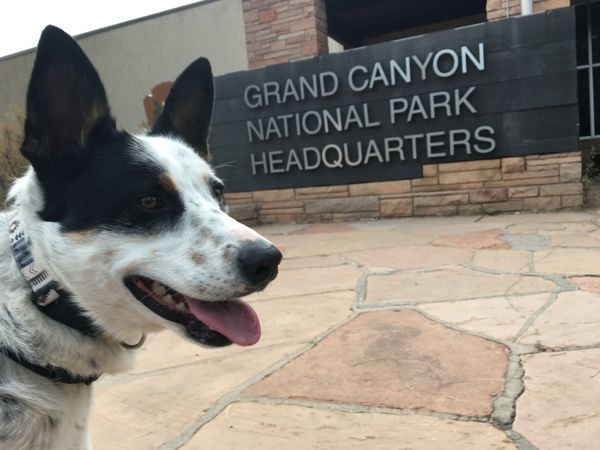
(258, 261)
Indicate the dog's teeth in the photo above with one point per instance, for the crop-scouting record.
(168, 299)
(159, 289)
(181, 307)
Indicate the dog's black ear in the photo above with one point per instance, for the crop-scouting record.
(66, 104)
(188, 108)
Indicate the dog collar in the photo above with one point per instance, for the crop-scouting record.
(52, 373)
(52, 300)
(47, 294)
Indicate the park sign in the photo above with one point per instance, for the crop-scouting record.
(378, 113)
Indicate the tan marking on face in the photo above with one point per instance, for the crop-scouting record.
(81, 236)
(108, 256)
(131, 267)
(198, 258)
(227, 254)
(167, 181)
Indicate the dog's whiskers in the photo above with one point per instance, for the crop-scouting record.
(225, 164)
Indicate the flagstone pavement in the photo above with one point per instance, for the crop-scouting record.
(420, 333)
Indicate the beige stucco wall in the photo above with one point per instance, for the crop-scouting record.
(132, 58)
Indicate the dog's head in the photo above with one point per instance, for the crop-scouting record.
(136, 226)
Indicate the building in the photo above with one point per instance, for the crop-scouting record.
(333, 110)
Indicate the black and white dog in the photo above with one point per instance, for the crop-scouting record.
(111, 236)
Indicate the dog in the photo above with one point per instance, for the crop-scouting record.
(109, 236)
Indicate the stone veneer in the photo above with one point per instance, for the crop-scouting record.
(523, 183)
(279, 31)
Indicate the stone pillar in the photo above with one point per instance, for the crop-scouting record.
(280, 31)
(496, 9)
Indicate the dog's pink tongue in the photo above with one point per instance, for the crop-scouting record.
(234, 319)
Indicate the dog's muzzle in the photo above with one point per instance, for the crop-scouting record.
(214, 323)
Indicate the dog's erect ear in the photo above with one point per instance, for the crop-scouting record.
(66, 103)
(188, 108)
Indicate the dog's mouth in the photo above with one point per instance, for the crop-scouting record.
(213, 323)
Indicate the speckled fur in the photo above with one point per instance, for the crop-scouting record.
(34, 412)
(194, 252)
(93, 268)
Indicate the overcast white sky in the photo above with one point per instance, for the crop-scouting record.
(23, 20)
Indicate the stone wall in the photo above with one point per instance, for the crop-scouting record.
(496, 9)
(279, 31)
(524, 183)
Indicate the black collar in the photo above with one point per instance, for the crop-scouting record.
(53, 373)
(51, 299)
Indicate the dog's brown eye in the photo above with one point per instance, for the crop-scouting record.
(218, 193)
(149, 202)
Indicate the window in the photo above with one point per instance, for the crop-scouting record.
(588, 69)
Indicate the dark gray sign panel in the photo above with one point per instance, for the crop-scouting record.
(503, 88)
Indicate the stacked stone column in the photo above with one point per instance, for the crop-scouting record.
(279, 31)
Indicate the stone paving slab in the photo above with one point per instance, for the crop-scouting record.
(142, 412)
(498, 317)
(454, 283)
(397, 359)
(573, 240)
(244, 426)
(559, 408)
(476, 240)
(409, 257)
(326, 244)
(311, 262)
(305, 281)
(568, 261)
(421, 333)
(508, 261)
(573, 320)
(533, 218)
(590, 284)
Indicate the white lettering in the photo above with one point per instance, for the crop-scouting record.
(252, 96)
(273, 161)
(416, 107)
(293, 160)
(487, 139)
(351, 81)
(430, 144)
(453, 61)
(478, 62)
(460, 100)
(373, 151)
(256, 163)
(336, 163)
(333, 83)
(394, 110)
(378, 75)
(316, 154)
(253, 130)
(393, 144)
(423, 64)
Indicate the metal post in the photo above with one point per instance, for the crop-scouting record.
(526, 7)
